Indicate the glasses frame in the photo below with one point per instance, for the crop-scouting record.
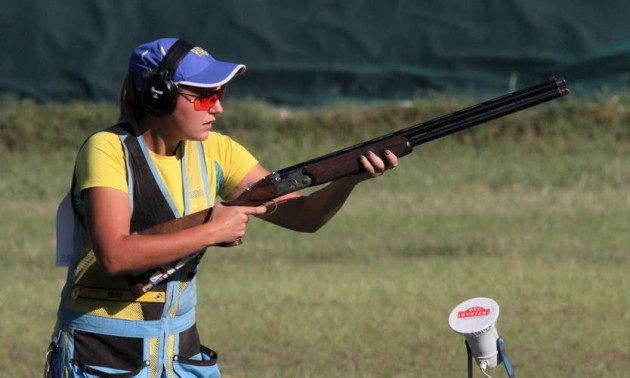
(198, 98)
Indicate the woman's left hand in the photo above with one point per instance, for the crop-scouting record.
(375, 166)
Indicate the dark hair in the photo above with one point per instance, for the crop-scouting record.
(130, 105)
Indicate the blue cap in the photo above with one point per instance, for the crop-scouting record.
(197, 69)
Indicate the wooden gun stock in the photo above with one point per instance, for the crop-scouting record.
(183, 223)
(179, 224)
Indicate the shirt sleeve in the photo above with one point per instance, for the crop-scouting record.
(234, 160)
(101, 163)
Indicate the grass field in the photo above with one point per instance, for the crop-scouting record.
(536, 218)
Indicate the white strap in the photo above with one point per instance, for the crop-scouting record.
(67, 233)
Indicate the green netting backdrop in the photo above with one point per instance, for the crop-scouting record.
(306, 52)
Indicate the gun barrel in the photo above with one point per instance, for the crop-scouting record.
(473, 115)
(539, 98)
(514, 101)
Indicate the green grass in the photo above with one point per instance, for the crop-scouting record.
(532, 211)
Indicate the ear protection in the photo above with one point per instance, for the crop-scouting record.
(158, 93)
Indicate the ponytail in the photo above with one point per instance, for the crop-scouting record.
(130, 105)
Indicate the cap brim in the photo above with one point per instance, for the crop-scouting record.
(214, 75)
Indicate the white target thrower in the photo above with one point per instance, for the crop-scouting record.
(476, 319)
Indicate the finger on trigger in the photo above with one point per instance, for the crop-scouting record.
(254, 210)
(260, 210)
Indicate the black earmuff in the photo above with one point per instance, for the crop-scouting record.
(158, 93)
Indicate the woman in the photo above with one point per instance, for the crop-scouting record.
(162, 161)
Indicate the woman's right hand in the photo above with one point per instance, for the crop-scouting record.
(228, 223)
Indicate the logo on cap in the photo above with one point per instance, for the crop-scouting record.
(199, 51)
(473, 312)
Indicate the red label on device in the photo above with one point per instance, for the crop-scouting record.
(473, 312)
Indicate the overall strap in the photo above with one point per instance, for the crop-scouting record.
(150, 207)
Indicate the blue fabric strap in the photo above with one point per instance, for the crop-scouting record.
(127, 328)
(156, 175)
(204, 173)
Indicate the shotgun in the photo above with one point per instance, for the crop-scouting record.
(345, 162)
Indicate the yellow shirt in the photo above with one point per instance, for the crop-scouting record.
(101, 162)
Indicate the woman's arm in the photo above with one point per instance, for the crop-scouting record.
(109, 217)
(108, 222)
(309, 213)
